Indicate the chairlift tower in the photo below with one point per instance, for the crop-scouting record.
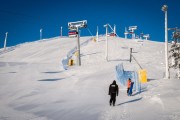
(132, 29)
(77, 25)
(141, 35)
(114, 30)
(5, 40)
(125, 33)
(146, 36)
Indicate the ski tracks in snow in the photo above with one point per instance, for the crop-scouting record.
(124, 109)
(116, 113)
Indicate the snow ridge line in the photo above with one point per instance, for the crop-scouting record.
(65, 60)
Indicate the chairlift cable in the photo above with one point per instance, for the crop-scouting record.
(90, 32)
(112, 29)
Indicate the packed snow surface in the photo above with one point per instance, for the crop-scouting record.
(35, 86)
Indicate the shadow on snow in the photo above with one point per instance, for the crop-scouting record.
(130, 101)
(53, 72)
(56, 79)
(119, 60)
(143, 90)
(91, 54)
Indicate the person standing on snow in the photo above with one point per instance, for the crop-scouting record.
(128, 85)
(131, 89)
(113, 91)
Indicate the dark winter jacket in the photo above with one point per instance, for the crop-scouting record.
(113, 88)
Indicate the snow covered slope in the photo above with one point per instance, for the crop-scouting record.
(34, 85)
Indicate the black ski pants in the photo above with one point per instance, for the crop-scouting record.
(113, 98)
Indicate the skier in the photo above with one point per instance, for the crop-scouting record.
(128, 85)
(113, 91)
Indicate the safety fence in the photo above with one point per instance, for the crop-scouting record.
(122, 76)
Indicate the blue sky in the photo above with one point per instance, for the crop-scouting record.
(22, 19)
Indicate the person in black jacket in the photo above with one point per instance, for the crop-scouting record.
(113, 91)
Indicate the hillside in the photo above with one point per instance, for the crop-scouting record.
(35, 86)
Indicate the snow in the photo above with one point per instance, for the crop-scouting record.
(35, 86)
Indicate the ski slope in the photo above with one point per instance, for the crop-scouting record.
(35, 86)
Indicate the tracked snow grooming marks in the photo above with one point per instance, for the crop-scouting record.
(116, 113)
(9, 49)
(171, 117)
(156, 99)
